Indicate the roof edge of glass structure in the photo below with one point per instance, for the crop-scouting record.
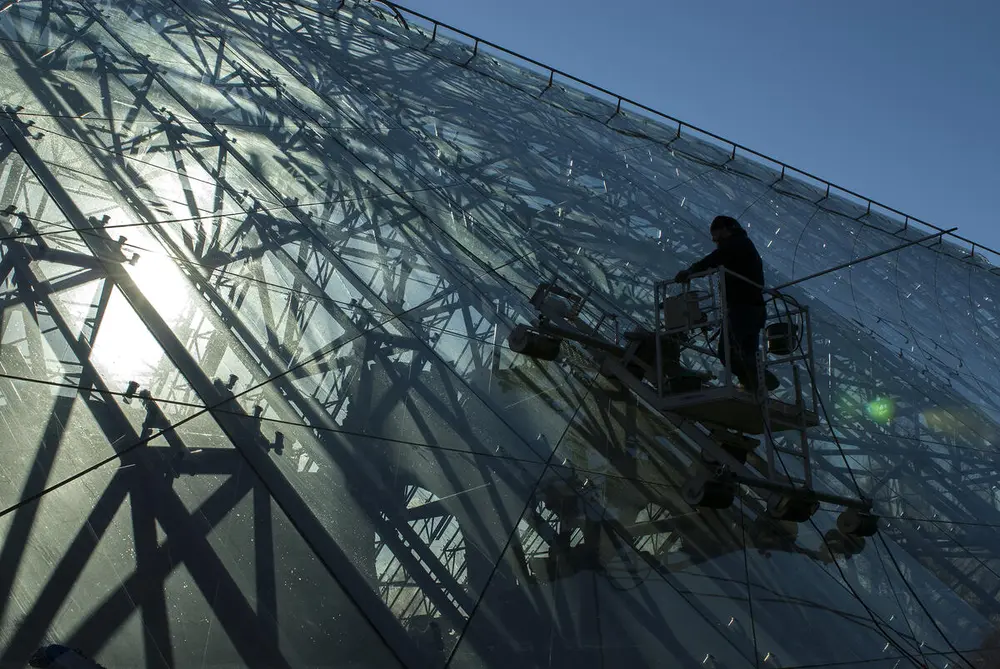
(622, 105)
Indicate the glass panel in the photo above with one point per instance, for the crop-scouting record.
(287, 243)
(424, 525)
(571, 592)
(135, 568)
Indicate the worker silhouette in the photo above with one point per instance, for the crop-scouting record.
(744, 297)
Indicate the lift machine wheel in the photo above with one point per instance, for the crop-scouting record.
(847, 545)
(709, 493)
(796, 508)
(857, 523)
(533, 344)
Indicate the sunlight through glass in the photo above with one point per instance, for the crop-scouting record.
(125, 349)
(163, 285)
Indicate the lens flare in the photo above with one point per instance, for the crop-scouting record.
(881, 410)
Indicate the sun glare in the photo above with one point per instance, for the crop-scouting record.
(881, 410)
(125, 350)
(163, 285)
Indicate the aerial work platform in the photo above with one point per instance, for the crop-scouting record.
(673, 368)
(726, 405)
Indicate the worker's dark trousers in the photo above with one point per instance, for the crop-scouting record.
(745, 324)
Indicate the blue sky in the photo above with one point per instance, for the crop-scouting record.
(898, 100)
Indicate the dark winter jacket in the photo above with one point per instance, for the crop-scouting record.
(737, 254)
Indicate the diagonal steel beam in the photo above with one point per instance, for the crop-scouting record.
(116, 426)
(294, 507)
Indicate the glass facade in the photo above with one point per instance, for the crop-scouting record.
(258, 265)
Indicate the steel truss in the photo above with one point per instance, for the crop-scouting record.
(315, 246)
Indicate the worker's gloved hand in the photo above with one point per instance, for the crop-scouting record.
(682, 276)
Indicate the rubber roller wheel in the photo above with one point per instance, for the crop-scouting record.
(843, 544)
(794, 508)
(858, 523)
(709, 494)
(533, 344)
